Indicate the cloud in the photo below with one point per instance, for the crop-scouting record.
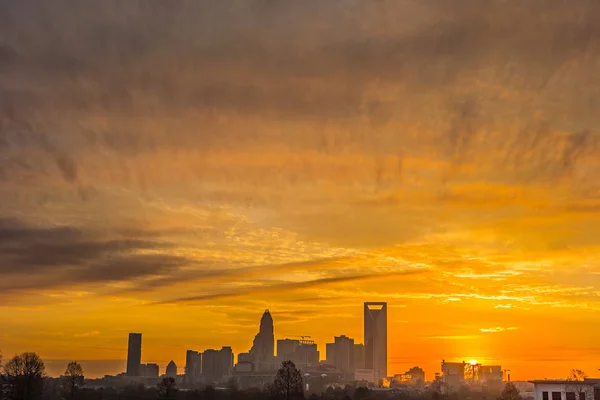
(452, 337)
(30, 255)
(287, 286)
(497, 329)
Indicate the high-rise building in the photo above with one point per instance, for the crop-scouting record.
(217, 364)
(359, 356)
(193, 365)
(286, 348)
(171, 369)
(306, 355)
(149, 370)
(330, 353)
(303, 353)
(375, 319)
(263, 347)
(134, 354)
(344, 355)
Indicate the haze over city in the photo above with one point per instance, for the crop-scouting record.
(175, 168)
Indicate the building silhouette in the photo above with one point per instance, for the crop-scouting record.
(193, 366)
(217, 364)
(263, 347)
(303, 353)
(414, 376)
(149, 370)
(375, 335)
(134, 354)
(171, 369)
(330, 353)
(343, 355)
(286, 348)
(359, 356)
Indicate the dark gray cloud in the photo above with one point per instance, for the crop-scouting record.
(288, 286)
(42, 257)
(218, 271)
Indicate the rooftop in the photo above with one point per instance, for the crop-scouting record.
(564, 381)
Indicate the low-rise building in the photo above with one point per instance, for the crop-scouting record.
(558, 389)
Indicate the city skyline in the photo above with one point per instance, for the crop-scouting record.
(175, 168)
(208, 359)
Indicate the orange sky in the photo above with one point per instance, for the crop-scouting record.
(168, 174)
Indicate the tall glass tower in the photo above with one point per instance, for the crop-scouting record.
(134, 354)
(376, 339)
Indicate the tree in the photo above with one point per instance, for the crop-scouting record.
(74, 378)
(288, 382)
(576, 389)
(510, 392)
(166, 388)
(361, 393)
(24, 374)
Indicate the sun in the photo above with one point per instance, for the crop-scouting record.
(473, 362)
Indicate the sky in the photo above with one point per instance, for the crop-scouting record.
(177, 167)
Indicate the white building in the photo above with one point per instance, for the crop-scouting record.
(550, 389)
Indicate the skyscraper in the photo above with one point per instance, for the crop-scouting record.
(171, 369)
(376, 339)
(263, 347)
(359, 356)
(344, 355)
(134, 354)
(149, 370)
(217, 364)
(330, 353)
(286, 348)
(193, 364)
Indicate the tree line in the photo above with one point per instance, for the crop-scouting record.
(23, 377)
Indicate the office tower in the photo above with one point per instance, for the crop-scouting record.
(134, 354)
(193, 364)
(171, 369)
(344, 355)
(150, 370)
(375, 333)
(306, 355)
(359, 356)
(264, 342)
(225, 361)
(330, 353)
(217, 364)
(286, 348)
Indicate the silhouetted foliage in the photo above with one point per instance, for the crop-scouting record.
(510, 392)
(577, 375)
(288, 382)
(73, 378)
(576, 385)
(136, 391)
(166, 388)
(361, 393)
(24, 375)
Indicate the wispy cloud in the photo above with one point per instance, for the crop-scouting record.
(497, 329)
(290, 286)
(452, 337)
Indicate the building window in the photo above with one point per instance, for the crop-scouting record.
(556, 396)
(570, 396)
(581, 395)
(544, 395)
